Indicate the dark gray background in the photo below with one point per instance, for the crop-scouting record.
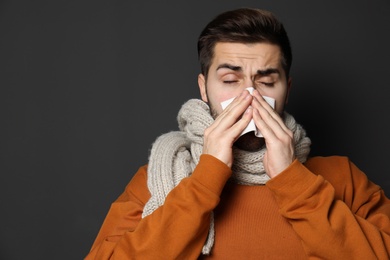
(87, 86)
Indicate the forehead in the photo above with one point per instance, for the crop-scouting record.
(261, 55)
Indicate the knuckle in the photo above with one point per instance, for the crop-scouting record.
(286, 138)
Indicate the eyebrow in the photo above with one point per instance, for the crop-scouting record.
(268, 72)
(229, 66)
(265, 72)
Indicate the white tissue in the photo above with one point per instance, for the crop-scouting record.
(251, 126)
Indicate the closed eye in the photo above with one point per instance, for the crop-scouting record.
(230, 81)
(263, 83)
(268, 84)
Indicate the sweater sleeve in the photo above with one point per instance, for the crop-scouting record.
(176, 230)
(338, 214)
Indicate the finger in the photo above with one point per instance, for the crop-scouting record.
(243, 122)
(231, 114)
(267, 113)
(269, 128)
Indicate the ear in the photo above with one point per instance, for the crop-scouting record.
(202, 87)
(289, 82)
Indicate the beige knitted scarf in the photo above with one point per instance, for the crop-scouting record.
(174, 156)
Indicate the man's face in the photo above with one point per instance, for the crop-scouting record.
(237, 66)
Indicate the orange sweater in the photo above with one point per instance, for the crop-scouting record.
(324, 209)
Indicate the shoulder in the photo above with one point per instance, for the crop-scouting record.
(338, 170)
(343, 174)
(137, 188)
(325, 165)
(350, 183)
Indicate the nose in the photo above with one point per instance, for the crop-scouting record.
(248, 83)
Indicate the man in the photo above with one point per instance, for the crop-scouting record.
(210, 191)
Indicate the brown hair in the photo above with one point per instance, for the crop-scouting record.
(244, 25)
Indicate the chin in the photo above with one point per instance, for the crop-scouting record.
(249, 142)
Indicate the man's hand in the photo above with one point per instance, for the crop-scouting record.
(278, 138)
(227, 127)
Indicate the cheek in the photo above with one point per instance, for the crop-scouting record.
(280, 103)
(215, 104)
(279, 107)
(217, 95)
(226, 97)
